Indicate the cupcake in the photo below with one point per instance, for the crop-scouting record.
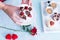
(25, 14)
(53, 5)
(49, 10)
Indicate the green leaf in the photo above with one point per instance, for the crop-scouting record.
(28, 29)
(23, 27)
(27, 25)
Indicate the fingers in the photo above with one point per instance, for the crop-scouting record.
(29, 2)
(16, 19)
(1, 5)
(18, 23)
(16, 16)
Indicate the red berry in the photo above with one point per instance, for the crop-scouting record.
(21, 13)
(2, 0)
(14, 36)
(24, 17)
(26, 7)
(51, 23)
(30, 8)
(8, 36)
(21, 8)
(34, 31)
(28, 14)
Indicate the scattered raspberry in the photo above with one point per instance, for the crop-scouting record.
(26, 7)
(21, 8)
(28, 14)
(8, 36)
(14, 36)
(24, 17)
(30, 8)
(21, 13)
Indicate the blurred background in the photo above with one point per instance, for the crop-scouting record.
(7, 22)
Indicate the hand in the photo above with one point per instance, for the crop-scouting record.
(11, 12)
(2, 0)
(1, 5)
(16, 18)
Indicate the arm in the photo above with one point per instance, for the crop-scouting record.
(10, 11)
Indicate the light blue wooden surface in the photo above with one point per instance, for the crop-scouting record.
(7, 22)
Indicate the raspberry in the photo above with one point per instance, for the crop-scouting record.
(21, 8)
(26, 7)
(28, 14)
(30, 8)
(24, 17)
(8, 36)
(21, 13)
(14, 36)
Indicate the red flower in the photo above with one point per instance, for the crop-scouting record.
(8, 36)
(2, 0)
(14, 36)
(34, 31)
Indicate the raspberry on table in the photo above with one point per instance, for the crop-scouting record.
(14, 36)
(8, 36)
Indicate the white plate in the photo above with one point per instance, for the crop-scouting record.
(47, 17)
